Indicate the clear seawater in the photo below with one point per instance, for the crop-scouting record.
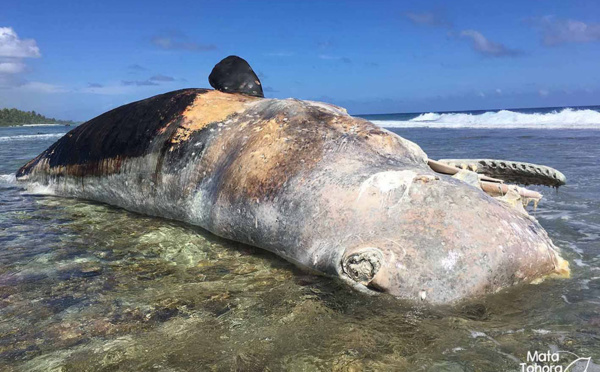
(89, 287)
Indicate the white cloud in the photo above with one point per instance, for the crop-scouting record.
(13, 51)
(10, 80)
(14, 47)
(429, 19)
(118, 88)
(328, 57)
(10, 67)
(113, 89)
(543, 92)
(487, 47)
(556, 31)
(178, 41)
(161, 78)
(39, 87)
(421, 18)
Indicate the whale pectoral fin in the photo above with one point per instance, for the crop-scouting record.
(509, 171)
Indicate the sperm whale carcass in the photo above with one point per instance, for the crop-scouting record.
(327, 191)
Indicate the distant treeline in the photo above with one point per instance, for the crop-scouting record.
(13, 116)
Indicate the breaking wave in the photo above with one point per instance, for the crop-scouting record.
(41, 125)
(31, 188)
(564, 119)
(7, 179)
(26, 137)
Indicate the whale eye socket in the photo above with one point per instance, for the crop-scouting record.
(362, 266)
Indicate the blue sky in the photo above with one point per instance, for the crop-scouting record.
(77, 59)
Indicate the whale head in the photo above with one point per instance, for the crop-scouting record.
(424, 236)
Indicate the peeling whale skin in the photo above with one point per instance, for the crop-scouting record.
(329, 192)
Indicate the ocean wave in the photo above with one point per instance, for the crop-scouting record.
(34, 188)
(8, 179)
(30, 188)
(565, 119)
(26, 137)
(42, 125)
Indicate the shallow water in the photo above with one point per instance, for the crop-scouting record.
(85, 286)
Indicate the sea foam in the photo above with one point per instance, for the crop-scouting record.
(564, 119)
(8, 179)
(31, 188)
(41, 125)
(26, 137)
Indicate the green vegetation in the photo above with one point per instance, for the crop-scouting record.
(10, 117)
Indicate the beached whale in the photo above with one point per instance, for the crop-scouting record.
(325, 190)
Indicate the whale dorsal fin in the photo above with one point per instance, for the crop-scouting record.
(234, 75)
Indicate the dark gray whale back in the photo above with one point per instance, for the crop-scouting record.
(125, 132)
